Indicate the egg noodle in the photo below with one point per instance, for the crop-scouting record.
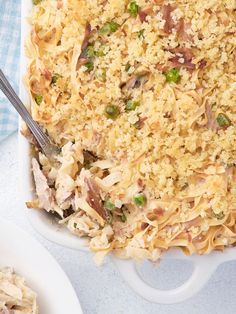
(15, 296)
(141, 98)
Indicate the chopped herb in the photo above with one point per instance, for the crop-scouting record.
(109, 27)
(219, 215)
(173, 75)
(127, 67)
(38, 99)
(109, 205)
(89, 66)
(141, 34)
(131, 105)
(55, 77)
(35, 2)
(90, 52)
(110, 217)
(100, 52)
(75, 225)
(101, 75)
(112, 111)
(123, 218)
(223, 120)
(140, 199)
(133, 8)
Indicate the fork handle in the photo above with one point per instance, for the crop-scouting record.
(9, 92)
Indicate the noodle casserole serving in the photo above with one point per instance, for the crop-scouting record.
(141, 98)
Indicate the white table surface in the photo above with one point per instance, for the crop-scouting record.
(102, 290)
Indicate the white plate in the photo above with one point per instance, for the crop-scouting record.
(42, 273)
(204, 266)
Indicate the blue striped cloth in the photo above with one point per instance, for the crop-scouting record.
(9, 60)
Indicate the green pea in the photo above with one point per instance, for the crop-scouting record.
(101, 75)
(109, 205)
(173, 75)
(141, 34)
(133, 8)
(89, 66)
(131, 105)
(112, 111)
(223, 120)
(55, 77)
(38, 99)
(140, 199)
(100, 52)
(127, 67)
(123, 217)
(90, 52)
(109, 27)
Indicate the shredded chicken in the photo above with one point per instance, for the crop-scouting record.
(44, 192)
(169, 22)
(15, 296)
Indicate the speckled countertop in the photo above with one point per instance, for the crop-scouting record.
(102, 290)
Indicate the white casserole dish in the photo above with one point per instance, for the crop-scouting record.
(204, 266)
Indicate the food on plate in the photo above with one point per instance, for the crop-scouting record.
(140, 96)
(15, 296)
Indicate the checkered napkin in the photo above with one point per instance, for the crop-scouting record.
(9, 60)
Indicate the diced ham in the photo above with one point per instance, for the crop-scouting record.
(142, 16)
(144, 13)
(182, 29)
(144, 225)
(47, 74)
(94, 198)
(140, 183)
(166, 14)
(87, 33)
(183, 58)
(158, 211)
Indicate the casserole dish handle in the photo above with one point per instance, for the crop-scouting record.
(203, 268)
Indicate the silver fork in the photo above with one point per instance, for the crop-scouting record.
(48, 148)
